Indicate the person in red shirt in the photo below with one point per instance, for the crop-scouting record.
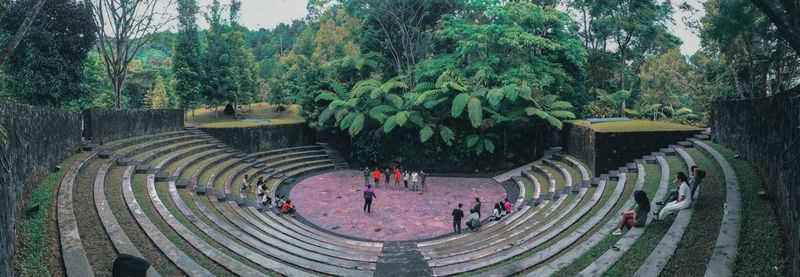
(288, 208)
(396, 178)
(376, 175)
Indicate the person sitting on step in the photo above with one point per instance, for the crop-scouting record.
(288, 208)
(684, 200)
(279, 201)
(507, 205)
(636, 217)
(697, 177)
(498, 212)
(474, 222)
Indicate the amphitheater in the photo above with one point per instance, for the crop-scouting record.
(169, 196)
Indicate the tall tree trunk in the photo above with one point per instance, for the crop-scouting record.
(23, 28)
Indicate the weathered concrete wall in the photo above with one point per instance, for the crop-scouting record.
(105, 125)
(37, 140)
(766, 132)
(262, 138)
(604, 151)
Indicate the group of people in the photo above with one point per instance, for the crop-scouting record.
(678, 198)
(501, 209)
(262, 195)
(414, 177)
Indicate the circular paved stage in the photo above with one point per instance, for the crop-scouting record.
(335, 200)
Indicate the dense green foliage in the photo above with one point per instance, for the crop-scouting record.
(48, 69)
(186, 63)
(436, 74)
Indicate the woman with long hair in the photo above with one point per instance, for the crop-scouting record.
(636, 217)
(684, 197)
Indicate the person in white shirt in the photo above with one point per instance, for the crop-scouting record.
(414, 176)
(406, 176)
(684, 198)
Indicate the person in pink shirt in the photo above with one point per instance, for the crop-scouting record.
(507, 206)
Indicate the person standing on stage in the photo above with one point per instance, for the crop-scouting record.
(397, 178)
(376, 175)
(366, 176)
(369, 194)
(414, 179)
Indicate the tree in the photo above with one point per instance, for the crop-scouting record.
(187, 64)
(628, 31)
(30, 16)
(230, 69)
(47, 67)
(750, 51)
(400, 28)
(124, 26)
(785, 15)
(157, 96)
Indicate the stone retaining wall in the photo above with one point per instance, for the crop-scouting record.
(765, 131)
(38, 139)
(266, 137)
(104, 125)
(604, 151)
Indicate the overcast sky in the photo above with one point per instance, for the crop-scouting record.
(257, 14)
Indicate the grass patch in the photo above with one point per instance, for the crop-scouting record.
(641, 249)
(635, 126)
(560, 181)
(37, 235)
(545, 189)
(697, 244)
(203, 180)
(529, 189)
(219, 183)
(576, 176)
(142, 197)
(119, 208)
(174, 166)
(204, 117)
(761, 246)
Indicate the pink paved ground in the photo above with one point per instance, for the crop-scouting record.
(335, 200)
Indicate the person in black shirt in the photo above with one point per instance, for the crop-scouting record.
(477, 207)
(458, 214)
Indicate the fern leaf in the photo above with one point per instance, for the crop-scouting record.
(390, 124)
(395, 100)
(475, 112)
(560, 105)
(325, 115)
(447, 135)
(511, 92)
(347, 120)
(357, 125)
(401, 118)
(416, 118)
(472, 140)
(459, 103)
(525, 92)
(494, 96)
(488, 145)
(562, 114)
(425, 133)
(326, 95)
